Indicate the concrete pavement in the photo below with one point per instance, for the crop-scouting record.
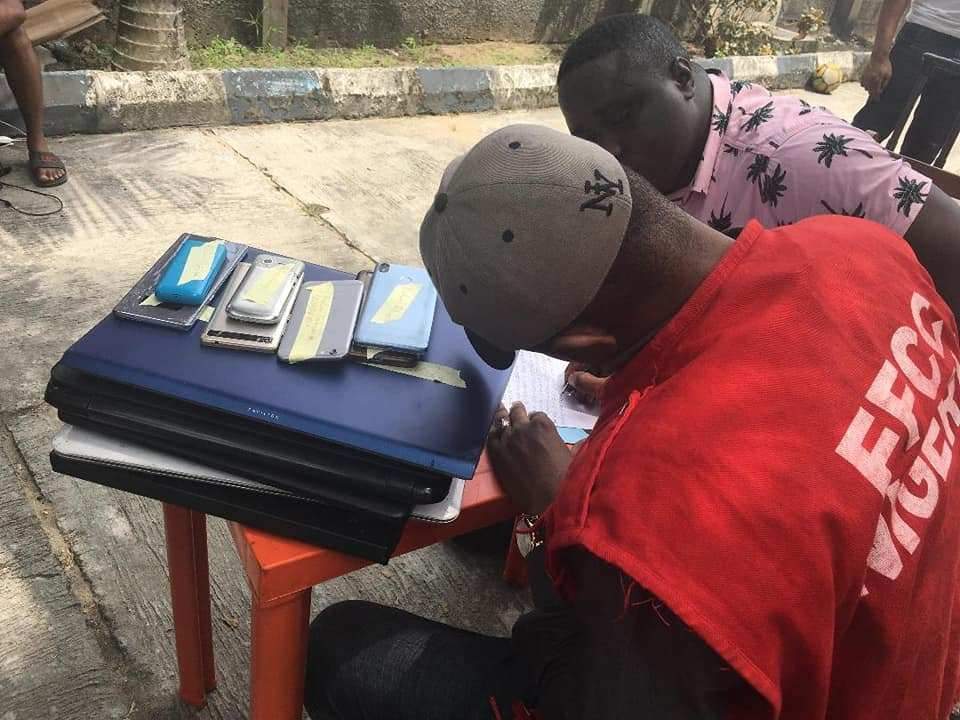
(85, 627)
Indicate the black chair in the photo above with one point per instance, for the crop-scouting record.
(931, 65)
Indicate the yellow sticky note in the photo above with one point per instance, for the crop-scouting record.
(428, 371)
(206, 314)
(397, 303)
(314, 322)
(199, 261)
(151, 300)
(266, 285)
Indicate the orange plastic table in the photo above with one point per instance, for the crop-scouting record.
(281, 574)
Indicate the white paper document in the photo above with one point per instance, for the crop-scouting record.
(537, 382)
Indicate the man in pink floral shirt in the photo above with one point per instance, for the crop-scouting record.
(780, 160)
(727, 151)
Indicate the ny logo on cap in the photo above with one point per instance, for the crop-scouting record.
(602, 189)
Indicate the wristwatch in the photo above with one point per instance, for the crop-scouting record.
(528, 534)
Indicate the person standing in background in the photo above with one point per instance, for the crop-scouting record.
(20, 66)
(932, 26)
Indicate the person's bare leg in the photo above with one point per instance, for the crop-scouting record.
(12, 16)
(23, 75)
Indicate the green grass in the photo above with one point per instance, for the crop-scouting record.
(228, 53)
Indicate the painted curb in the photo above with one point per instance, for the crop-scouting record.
(104, 102)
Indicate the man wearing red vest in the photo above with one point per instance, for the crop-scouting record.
(763, 523)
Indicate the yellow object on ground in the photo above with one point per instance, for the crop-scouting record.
(826, 78)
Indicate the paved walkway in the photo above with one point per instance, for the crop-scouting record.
(85, 627)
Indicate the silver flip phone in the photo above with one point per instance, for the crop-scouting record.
(225, 332)
(264, 292)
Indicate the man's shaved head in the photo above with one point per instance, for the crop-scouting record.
(650, 42)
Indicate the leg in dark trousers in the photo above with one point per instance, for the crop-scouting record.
(939, 103)
(935, 115)
(370, 662)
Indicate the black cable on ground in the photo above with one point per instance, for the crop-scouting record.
(30, 213)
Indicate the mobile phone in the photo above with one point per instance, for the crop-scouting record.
(225, 332)
(379, 355)
(321, 325)
(142, 305)
(192, 271)
(263, 294)
(399, 309)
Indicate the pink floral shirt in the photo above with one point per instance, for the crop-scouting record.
(779, 160)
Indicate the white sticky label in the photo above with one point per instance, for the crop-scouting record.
(267, 284)
(428, 371)
(315, 317)
(397, 303)
(199, 261)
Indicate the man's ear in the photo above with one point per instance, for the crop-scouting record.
(682, 73)
(583, 343)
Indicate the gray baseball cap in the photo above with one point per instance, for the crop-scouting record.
(522, 234)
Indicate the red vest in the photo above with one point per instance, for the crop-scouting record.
(778, 467)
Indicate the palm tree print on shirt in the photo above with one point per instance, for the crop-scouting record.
(758, 168)
(909, 193)
(807, 107)
(858, 211)
(737, 85)
(772, 187)
(720, 120)
(758, 117)
(833, 145)
(724, 220)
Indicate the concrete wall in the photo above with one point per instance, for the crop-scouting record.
(792, 9)
(865, 17)
(389, 22)
(857, 16)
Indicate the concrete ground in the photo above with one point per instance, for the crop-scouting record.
(85, 626)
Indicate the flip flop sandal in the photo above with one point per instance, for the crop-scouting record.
(46, 161)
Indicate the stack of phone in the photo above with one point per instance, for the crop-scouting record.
(257, 305)
(384, 316)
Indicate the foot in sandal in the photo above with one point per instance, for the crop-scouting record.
(46, 169)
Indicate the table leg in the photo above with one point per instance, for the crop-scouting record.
(278, 657)
(202, 566)
(186, 533)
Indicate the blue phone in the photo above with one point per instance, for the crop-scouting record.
(190, 274)
(398, 310)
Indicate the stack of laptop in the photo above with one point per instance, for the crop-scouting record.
(338, 454)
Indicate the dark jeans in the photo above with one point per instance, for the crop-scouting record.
(370, 662)
(939, 103)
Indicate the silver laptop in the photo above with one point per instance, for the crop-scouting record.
(84, 444)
